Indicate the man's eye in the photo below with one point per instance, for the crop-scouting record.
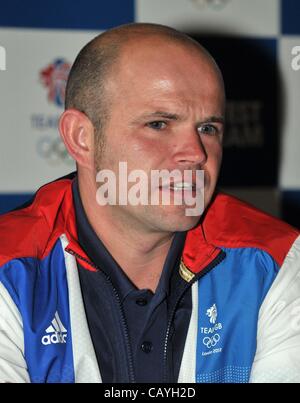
(208, 129)
(157, 125)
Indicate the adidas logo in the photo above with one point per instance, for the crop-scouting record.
(57, 333)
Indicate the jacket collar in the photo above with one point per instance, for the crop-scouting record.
(197, 252)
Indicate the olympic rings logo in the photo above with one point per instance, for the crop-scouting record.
(53, 150)
(211, 341)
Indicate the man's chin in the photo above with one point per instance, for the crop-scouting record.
(179, 224)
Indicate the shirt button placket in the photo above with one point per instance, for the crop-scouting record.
(141, 302)
(147, 347)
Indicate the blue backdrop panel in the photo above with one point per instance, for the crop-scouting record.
(290, 17)
(11, 201)
(67, 14)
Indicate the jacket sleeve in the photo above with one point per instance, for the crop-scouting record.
(277, 356)
(13, 366)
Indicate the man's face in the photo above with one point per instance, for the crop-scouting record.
(167, 106)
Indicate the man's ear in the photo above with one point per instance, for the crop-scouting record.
(77, 132)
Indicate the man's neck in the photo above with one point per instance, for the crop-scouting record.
(141, 254)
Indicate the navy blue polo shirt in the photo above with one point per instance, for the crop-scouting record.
(128, 325)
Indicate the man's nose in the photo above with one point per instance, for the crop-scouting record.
(191, 151)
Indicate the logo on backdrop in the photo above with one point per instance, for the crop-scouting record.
(54, 78)
(244, 124)
(53, 150)
(2, 58)
(213, 4)
(48, 145)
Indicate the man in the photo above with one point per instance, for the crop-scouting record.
(124, 292)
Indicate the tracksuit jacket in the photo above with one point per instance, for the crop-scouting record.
(244, 267)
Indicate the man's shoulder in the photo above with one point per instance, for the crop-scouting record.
(233, 223)
(28, 231)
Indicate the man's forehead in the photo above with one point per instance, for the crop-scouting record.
(157, 72)
(164, 74)
(180, 112)
(161, 63)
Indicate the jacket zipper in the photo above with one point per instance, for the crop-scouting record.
(210, 266)
(123, 319)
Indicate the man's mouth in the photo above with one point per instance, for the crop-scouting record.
(179, 186)
(182, 186)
